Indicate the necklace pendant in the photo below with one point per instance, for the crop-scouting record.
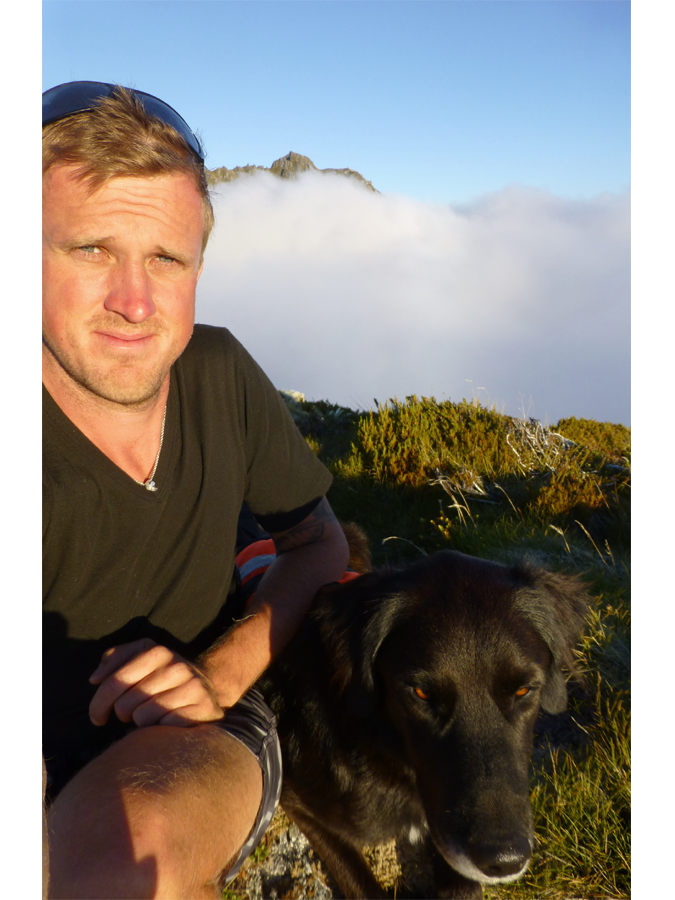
(150, 485)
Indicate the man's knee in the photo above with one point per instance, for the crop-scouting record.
(177, 801)
(203, 777)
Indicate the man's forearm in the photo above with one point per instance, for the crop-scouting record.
(281, 602)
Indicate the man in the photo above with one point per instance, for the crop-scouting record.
(163, 766)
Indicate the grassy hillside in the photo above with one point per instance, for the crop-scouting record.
(423, 475)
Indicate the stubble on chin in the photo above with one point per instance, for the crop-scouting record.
(116, 381)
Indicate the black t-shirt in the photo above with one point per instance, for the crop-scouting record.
(121, 562)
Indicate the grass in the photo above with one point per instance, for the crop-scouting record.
(420, 475)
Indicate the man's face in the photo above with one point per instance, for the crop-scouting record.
(120, 269)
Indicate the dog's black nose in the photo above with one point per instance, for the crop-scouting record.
(502, 860)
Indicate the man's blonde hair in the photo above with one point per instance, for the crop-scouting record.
(119, 138)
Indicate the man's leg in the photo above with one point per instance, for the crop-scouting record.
(161, 813)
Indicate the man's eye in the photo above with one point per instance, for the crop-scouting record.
(89, 252)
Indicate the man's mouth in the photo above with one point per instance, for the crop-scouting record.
(120, 339)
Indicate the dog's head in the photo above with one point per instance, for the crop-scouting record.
(358, 617)
(456, 656)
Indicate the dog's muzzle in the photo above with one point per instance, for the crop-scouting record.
(489, 863)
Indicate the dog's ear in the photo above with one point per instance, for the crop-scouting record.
(554, 692)
(556, 605)
(353, 621)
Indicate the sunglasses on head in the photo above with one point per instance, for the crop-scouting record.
(78, 96)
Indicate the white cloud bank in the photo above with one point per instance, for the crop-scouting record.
(521, 298)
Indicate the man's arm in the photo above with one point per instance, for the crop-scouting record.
(149, 684)
(309, 555)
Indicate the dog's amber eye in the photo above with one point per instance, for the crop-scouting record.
(522, 692)
(420, 693)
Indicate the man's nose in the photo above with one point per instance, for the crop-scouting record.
(130, 293)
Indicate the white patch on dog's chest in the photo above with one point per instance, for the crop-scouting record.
(416, 834)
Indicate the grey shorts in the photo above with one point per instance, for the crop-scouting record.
(253, 723)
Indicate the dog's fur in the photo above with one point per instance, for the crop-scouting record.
(406, 706)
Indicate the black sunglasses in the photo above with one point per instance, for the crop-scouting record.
(77, 96)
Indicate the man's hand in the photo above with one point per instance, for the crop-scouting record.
(148, 684)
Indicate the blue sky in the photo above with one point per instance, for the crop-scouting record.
(442, 101)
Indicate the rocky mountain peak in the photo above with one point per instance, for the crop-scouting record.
(287, 166)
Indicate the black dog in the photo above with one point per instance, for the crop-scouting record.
(406, 707)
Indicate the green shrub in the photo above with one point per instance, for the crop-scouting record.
(411, 442)
(611, 440)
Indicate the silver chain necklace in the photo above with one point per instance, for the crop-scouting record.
(149, 483)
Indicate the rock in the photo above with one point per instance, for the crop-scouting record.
(284, 867)
(288, 166)
(285, 167)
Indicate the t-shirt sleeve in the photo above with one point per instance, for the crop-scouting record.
(285, 479)
(283, 521)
